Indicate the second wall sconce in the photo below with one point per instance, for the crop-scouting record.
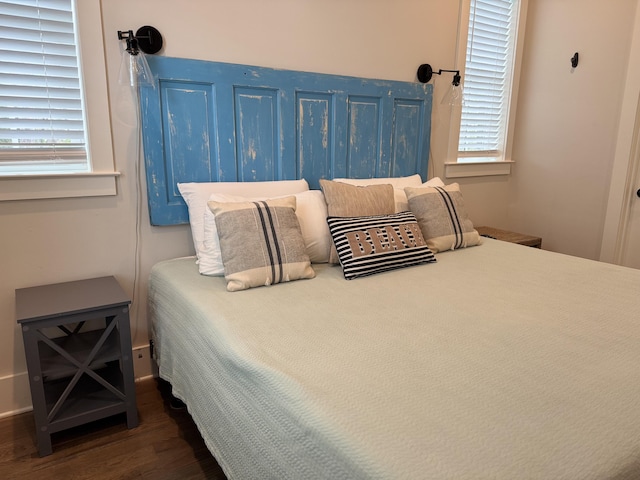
(134, 68)
(453, 96)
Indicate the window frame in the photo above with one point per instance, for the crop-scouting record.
(454, 167)
(100, 180)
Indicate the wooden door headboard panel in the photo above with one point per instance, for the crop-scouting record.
(219, 122)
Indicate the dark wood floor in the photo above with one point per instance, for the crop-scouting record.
(165, 446)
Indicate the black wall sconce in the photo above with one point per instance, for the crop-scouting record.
(425, 72)
(134, 68)
(148, 39)
(453, 96)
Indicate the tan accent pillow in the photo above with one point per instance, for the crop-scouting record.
(398, 184)
(442, 217)
(261, 242)
(344, 200)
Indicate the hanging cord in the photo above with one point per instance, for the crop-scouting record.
(138, 221)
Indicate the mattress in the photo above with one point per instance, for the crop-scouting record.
(497, 362)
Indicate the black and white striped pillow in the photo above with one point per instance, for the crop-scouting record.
(374, 244)
(261, 242)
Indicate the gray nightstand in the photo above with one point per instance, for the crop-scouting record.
(77, 374)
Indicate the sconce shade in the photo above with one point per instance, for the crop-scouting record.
(135, 70)
(454, 96)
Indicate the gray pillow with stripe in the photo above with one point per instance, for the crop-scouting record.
(261, 243)
(442, 217)
(375, 244)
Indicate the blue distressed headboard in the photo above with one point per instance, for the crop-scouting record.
(219, 122)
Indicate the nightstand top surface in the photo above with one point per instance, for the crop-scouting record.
(507, 236)
(48, 301)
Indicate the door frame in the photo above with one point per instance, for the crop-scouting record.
(626, 164)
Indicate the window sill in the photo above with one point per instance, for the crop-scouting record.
(31, 187)
(477, 169)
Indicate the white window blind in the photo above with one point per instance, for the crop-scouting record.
(487, 82)
(41, 113)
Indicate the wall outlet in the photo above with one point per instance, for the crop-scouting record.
(142, 362)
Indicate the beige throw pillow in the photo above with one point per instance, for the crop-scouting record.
(442, 217)
(398, 184)
(261, 242)
(344, 200)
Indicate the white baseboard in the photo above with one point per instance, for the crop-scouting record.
(15, 396)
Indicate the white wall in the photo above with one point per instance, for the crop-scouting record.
(564, 146)
(568, 120)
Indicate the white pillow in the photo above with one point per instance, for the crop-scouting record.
(311, 211)
(395, 182)
(312, 214)
(400, 197)
(434, 182)
(196, 196)
(398, 184)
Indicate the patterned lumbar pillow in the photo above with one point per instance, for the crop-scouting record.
(374, 244)
(442, 217)
(261, 243)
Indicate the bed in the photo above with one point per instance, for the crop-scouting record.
(484, 360)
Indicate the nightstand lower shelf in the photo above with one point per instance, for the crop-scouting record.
(87, 401)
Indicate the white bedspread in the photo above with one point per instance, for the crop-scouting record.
(497, 362)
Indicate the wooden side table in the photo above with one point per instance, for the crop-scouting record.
(77, 374)
(512, 237)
